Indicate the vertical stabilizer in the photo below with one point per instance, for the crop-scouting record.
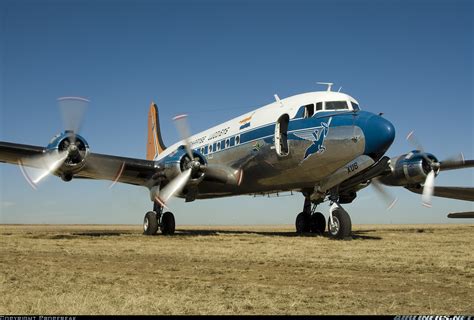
(154, 145)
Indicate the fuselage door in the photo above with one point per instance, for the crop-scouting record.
(281, 135)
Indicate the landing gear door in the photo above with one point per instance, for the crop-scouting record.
(281, 135)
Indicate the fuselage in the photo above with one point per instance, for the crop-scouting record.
(291, 144)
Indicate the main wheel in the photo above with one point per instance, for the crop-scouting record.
(341, 226)
(150, 223)
(302, 222)
(167, 223)
(317, 223)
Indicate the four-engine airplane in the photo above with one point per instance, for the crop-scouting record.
(318, 143)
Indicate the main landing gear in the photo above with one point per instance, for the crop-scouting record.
(339, 222)
(157, 219)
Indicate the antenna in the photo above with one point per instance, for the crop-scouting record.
(340, 88)
(329, 84)
(277, 99)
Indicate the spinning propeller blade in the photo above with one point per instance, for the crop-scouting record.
(41, 166)
(428, 189)
(384, 194)
(72, 109)
(174, 186)
(183, 129)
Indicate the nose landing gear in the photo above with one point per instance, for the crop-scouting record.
(339, 222)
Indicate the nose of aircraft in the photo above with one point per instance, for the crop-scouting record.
(379, 135)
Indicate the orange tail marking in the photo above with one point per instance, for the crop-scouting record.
(154, 144)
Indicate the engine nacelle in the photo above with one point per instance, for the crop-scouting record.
(77, 150)
(179, 161)
(409, 169)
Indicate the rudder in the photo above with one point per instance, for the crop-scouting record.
(155, 144)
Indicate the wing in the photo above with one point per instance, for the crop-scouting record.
(98, 166)
(461, 215)
(311, 134)
(460, 193)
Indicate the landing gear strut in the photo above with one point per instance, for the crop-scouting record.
(339, 223)
(310, 220)
(157, 219)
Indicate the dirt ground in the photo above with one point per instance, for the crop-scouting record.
(384, 269)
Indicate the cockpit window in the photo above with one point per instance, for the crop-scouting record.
(336, 105)
(355, 106)
(319, 106)
(308, 110)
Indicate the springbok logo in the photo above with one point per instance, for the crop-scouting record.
(315, 135)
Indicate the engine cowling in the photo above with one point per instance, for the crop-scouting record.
(179, 161)
(77, 150)
(409, 169)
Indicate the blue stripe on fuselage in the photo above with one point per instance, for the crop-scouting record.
(341, 118)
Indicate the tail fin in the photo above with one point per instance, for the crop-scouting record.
(154, 144)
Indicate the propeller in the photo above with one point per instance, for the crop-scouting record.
(36, 168)
(434, 166)
(179, 182)
(218, 173)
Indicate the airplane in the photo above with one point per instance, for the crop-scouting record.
(320, 143)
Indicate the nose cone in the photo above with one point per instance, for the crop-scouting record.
(379, 135)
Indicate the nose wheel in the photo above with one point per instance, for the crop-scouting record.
(339, 223)
(156, 219)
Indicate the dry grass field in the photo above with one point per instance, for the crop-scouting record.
(414, 269)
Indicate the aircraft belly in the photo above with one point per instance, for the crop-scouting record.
(265, 171)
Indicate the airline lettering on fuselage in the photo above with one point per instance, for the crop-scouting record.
(315, 135)
(198, 141)
(218, 134)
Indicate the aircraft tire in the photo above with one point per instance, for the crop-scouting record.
(342, 225)
(317, 223)
(302, 223)
(150, 223)
(167, 223)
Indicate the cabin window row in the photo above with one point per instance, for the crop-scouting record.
(220, 145)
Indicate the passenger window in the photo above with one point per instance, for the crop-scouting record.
(237, 140)
(319, 106)
(227, 143)
(336, 105)
(308, 110)
(210, 148)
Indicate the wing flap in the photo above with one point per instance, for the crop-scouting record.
(118, 169)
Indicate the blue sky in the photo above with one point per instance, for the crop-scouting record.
(411, 60)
